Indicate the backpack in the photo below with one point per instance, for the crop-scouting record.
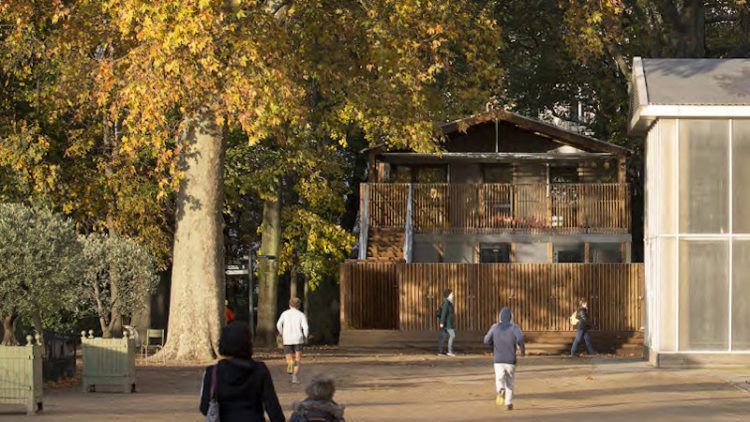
(574, 318)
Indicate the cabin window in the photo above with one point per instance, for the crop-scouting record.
(605, 253)
(431, 174)
(494, 252)
(400, 174)
(497, 173)
(563, 174)
(530, 252)
(568, 252)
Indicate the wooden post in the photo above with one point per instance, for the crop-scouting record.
(408, 226)
(363, 219)
(343, 294)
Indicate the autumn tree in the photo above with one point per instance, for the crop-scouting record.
(61, 131)
(258, 64)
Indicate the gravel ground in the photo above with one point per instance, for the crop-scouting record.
(406, 387)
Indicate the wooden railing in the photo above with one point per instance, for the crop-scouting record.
(541, 296)
(494, 206)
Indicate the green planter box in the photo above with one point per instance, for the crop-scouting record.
(108, 361)
(21, 375)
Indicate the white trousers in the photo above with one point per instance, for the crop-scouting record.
(504, 373)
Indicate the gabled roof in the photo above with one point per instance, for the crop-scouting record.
(687, 88)
(545, 129)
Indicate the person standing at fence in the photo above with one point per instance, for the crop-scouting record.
(447, 323)
(294, 330)
(583, 325)
(505, 337)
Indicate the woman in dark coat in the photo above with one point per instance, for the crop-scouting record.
(244, 388)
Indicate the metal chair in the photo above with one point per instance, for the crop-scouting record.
(153, 334)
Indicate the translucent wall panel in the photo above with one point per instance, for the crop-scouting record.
(704, 295)
(667, 295)
(704, 183)
(741, 295)
(740, 176)
(667, 200)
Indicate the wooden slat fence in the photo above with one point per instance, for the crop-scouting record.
(541, 296)
(493, 206)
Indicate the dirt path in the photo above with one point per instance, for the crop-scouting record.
(423, 387)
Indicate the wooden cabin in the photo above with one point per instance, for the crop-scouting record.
(507, 188)
(513, 212)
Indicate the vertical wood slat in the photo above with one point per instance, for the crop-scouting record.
(541, 296)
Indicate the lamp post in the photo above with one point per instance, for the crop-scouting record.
(251, 287)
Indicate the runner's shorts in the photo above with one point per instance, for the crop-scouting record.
(292, 348)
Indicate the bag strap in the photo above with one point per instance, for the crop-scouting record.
(214, 382)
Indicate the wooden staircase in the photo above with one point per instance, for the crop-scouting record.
(544, 343)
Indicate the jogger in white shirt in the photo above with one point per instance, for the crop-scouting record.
(293, 328)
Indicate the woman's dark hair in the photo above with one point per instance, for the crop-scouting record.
(235, 341)
(321, 388)
(447, 292)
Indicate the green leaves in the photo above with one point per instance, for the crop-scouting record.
(39, 261)
(116, 275)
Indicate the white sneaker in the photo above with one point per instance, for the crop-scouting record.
(294, 379)
(451, 354)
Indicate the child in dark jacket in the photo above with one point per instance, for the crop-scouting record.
(504, 338)
(319, 405)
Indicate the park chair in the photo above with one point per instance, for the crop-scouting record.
(153, 334)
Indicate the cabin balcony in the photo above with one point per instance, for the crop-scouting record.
(498, 207)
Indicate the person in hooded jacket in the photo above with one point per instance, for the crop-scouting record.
(319, 405)
(505, 337)
(244, 387)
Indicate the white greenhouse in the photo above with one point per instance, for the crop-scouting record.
(695, 115)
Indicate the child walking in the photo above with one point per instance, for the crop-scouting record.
(504, 337)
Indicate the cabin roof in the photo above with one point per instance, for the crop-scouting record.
(537, 126)
(687, 88)
(697, 81)
(544, 129)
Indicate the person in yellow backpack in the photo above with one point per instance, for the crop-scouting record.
(583, 324)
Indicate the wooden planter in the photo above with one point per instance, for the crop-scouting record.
(21, 374)
(108, 361)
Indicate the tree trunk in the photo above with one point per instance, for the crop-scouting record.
(197, 291)
(36, 317)
(293, 290)
(268, 271)
(9, 330)
(306, 298)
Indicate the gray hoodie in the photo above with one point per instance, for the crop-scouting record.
(504, 337)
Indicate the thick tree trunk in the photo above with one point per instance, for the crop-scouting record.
(268, 274)
(9, 330)
(197, 300)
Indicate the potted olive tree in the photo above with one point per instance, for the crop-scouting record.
(116, 277)
(39, 259)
